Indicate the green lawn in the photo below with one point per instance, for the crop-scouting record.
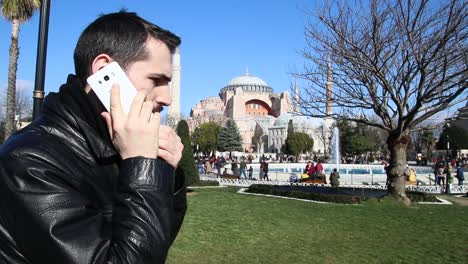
(222, 226)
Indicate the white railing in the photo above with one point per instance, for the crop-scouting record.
(434, 189)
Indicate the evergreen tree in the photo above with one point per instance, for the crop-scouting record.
(353, 139)
(457, 139)
(306, 142)
(297, 143)
(206, 136)
(229, 138)
(290, 127)
(187, 167)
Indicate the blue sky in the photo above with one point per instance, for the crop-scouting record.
(220, 40)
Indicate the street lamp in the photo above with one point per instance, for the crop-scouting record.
(38, 93)
(447, 159)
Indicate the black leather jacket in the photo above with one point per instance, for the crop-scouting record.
(67, 197)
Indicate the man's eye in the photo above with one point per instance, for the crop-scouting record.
(155, 81)
(158, 81)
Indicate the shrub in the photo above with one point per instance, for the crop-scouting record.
(420, 197)
(302, 193)
(187, 168)
(205, 183)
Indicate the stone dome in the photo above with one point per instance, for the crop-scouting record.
(247, 83)
(299, 122)
(247, 79)
(283, 119)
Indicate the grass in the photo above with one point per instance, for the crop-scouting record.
(222, 226)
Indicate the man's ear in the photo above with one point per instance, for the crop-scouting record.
(99, 62)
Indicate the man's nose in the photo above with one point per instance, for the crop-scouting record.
(164, 98)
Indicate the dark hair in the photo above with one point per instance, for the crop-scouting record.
(120, 35)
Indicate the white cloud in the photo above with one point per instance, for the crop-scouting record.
(23, 86)
(26, 85)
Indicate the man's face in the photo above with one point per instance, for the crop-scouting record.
(153, 74)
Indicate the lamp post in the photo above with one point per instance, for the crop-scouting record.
(447, 159)
(38, 94)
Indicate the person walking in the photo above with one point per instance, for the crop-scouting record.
(243, 167)
(460, 175)
(208, 168)
(219, 164)
(440, 175)
(265, 170)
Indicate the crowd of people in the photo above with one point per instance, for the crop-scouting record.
(445, 172)
(313, 171)
(215, 164)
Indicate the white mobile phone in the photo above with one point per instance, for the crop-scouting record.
(101, 82)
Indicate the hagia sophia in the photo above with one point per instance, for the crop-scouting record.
(261, 115)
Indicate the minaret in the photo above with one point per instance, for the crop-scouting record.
(329, 88)
(174, 86)
(296, 97)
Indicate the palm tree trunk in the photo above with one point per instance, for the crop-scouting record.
(12, 68)
(396, 179)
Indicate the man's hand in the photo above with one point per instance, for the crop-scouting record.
(170, 145)
(135, 134)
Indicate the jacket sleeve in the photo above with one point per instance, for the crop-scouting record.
(52, 222)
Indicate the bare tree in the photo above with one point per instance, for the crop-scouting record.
(172, 121)
(401, 60)
(24, 102)
(324, 137)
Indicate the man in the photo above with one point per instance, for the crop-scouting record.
(319, 167)
(219, 164)
(334, 178)
(460, 174)
(78, 189)
(311, 170)
(243, 168)
(234, 168)
(265, 170)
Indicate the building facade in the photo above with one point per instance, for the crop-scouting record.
(261, 115)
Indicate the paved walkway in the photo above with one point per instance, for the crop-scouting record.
(463, 201)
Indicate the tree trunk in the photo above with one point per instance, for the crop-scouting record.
(397, 144)
(12, 68)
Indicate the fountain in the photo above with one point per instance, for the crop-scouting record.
(335, 148)
(350, 174)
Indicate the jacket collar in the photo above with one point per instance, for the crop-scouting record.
(82, 111)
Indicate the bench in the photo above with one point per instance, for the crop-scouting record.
(315, 180)
(230, 176)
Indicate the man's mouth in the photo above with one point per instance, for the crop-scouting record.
(157, 108)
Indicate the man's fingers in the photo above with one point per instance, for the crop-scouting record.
(146, 111)
(156, 123)
(137, 104)
(115, 104)
(167, 132)
(173, 160)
